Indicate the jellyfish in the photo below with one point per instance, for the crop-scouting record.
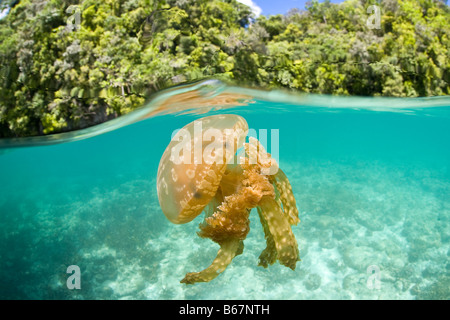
(208, 167)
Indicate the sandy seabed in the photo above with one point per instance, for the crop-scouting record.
(353, 216)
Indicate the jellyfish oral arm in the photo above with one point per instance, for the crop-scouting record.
(281, 237)
(228, 250)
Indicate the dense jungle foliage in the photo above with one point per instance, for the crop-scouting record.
(69, 64)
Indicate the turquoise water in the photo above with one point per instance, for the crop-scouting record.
(371, 178)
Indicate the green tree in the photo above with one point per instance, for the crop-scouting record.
(69, 64)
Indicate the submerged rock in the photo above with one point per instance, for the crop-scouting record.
(313, 282)
(368, 220)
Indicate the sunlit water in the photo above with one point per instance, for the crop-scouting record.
(371, 178)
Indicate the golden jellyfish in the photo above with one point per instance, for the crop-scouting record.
(201, 171)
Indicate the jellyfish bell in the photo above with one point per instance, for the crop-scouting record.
(194, 162)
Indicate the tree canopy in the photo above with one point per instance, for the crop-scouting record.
(69, 64)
